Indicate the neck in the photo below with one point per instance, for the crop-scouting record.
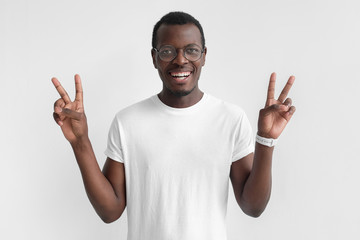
(179, 101)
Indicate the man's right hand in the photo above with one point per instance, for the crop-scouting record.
(69, 115)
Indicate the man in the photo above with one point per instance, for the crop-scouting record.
(170, 156)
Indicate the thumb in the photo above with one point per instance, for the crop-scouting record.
(274, 108)
(71, 114)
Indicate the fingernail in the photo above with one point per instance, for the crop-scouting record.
(58, 109)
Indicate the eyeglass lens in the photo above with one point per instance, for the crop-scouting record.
(168, 53)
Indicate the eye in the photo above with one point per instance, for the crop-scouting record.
(193, 50)
(166, 52)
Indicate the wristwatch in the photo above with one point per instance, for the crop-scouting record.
(270, 142)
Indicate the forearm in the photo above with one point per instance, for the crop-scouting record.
(70, 116)
(252, 178)
(257, 188)
(99, 190)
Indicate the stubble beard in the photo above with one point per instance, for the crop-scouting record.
(180, 93)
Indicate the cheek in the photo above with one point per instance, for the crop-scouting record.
(203, 61)
(199, 66)
(161, 69)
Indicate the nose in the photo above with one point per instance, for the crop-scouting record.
(180, 58)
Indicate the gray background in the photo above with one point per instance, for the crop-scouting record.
(315, 171)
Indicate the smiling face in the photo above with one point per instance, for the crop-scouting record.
(180, 76)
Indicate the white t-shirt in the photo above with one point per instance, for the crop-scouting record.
(177, 165)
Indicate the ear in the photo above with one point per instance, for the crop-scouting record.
(204, 56)
(153, 55)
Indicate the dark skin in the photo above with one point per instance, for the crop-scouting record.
(106, 189)
(179, 36)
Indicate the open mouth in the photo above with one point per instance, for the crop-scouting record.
(180, 76)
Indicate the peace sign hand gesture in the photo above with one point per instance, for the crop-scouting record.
(69, 115)
(274, 117)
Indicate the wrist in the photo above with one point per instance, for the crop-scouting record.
(266, 141)
(80, 143)
(263, 134)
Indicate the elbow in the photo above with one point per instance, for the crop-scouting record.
(253, 210)
(255, 213)
(253, 207)
(108, 220)
(110, 216)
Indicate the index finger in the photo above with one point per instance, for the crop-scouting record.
(79, 90)
(61, 90)
(271, 88)
(286, 89)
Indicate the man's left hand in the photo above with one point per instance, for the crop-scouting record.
(277, 113)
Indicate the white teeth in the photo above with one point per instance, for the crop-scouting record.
(180, 74)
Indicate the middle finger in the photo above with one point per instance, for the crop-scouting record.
(286, 89)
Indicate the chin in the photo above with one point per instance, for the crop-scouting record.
(181, 93)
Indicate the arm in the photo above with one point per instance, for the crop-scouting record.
(106, 190)
(251, 180)
(251, 175)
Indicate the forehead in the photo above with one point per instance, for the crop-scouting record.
(178, 35)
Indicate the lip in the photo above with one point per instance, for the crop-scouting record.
(180, 80)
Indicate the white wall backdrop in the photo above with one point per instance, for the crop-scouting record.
(315, 172)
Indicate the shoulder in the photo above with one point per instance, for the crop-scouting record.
(225, 108)
(136, 110)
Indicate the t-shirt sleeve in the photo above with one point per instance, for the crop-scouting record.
(114, 144)
(243, 142)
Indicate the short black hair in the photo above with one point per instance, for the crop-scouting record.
(177, 18)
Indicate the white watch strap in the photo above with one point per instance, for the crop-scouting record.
(270, 142)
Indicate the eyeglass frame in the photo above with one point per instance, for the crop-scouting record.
(184, 48)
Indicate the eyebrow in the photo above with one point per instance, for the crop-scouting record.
(191, 44)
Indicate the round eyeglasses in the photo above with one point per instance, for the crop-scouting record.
(192, 52)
